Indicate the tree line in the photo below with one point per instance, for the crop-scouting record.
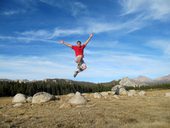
(57, 87)
(151, 86)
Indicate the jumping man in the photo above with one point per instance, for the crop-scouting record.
(79, 52)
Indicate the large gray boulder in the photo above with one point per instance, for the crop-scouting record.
(122, 91)
(77, 99)
(119, 90)
(115, 89)
(42, 97)
(19, 98)
(128, 82)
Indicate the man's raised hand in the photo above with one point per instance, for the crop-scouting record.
(61, 41)
(91, 35)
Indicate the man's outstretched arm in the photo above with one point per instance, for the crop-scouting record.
(88, 40)
(67, 44)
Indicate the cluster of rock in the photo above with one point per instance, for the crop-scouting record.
(78, 98)
(126, 82)
(38, 98)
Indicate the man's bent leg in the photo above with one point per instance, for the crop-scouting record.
(81, 66)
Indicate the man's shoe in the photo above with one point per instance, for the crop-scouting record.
(75, 74)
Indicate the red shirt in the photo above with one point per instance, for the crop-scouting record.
(79, 49)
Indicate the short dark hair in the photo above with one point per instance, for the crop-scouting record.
(79, 41)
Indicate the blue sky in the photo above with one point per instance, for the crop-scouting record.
(131, 38)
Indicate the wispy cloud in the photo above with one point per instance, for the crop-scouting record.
(33, 68)
(151, 9)
(160, 44)
(25, 39)
(12, 12)
(113, 65)
(74, 7)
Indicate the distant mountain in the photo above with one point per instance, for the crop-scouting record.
(143, 79)
(5, 80)
(163, 79)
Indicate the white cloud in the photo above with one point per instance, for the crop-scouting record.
(33, 68)
(25, 39)
(151, 9)
(163, 45)
(113, 64)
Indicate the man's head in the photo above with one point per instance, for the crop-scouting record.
(78, 43)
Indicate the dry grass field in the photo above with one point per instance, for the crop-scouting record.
(150, 111)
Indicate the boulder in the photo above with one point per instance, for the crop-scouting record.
(116, 88)
(119, 90)
(167, 94)
(142, 93)
(97, 95)
(122, 91)
(132, 93)
(42, 97)
(128, 82)
(77, 99)
(19, 98)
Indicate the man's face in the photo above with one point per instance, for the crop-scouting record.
(78, 44)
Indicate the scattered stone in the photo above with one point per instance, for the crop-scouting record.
(142, 93)
(104, 94)
(19, 98)
(18, 105)
(116, 96)
(167, 94)
(131, 93)
(29, 99)
(77, 99)
(57, 97)
(97, 95)
(42, 97)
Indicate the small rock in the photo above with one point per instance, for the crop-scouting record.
(142, 93)
(97, 95)
(167, 94)
(19, 98)
(105, 94)
(29, 99)
(131, 93)
(77, 99)
(116, 96)
(17, 104)
(57, 97)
